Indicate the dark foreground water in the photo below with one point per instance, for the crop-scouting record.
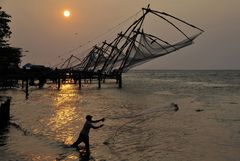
(141, 124)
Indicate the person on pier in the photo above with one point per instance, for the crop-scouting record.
(84, 134)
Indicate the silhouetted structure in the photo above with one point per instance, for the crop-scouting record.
(129, 49)
(4, 110)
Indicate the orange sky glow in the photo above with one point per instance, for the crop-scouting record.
(41, 28)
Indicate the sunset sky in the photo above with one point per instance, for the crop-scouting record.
(40, 27)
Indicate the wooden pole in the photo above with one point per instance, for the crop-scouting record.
(90, 79)
(80, 81)
(59, 83)
(22, 83)
(26, 89)
(104, 78)
(99, 79)
(120, 81)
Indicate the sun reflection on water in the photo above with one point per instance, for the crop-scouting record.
(65, 117)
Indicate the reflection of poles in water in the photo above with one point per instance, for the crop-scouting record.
(173, 108)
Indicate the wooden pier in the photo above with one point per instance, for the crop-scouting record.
(39, 76)
(81, 76)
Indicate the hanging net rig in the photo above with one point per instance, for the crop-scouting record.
(133, 47)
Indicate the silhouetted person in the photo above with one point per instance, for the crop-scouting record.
(84, 134)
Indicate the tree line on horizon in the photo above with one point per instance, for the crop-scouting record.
(10, 57)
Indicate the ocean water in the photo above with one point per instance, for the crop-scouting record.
(141, 123)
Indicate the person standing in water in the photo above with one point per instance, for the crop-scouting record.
(84, 134)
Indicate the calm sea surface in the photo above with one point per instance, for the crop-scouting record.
(141, 124)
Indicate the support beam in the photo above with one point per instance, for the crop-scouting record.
(59, 83)
(22, 83)
(99, 79)
(80, 81)
(26, 89)
(119, 81)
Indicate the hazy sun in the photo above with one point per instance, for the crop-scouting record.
(66, 13)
